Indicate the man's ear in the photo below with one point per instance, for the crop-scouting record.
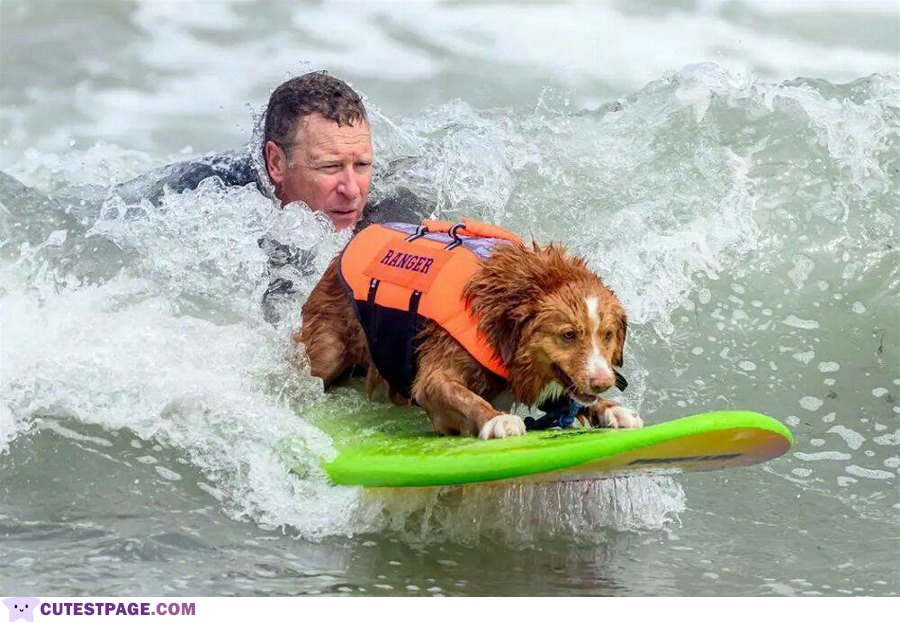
(276, 163)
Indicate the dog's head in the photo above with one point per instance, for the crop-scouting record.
(556, 326)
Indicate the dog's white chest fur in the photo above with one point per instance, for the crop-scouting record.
(551, 391)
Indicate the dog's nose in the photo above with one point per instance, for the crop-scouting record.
(598, 388)
(601, 380)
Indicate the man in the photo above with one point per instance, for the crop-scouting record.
(318, 147)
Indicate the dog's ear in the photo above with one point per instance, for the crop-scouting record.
(506, 344)
(621, 330)
(509, 332)
(502, 295)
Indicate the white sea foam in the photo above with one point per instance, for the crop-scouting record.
(892, 438)
(796, 322)
(804, 357)
(859, 471)
(810, 403)
(853, 439)
(529, 37)
(803, 267)
(139, 353)
(176, 69)
(821, 455)
(518, 514)
(847, 7)
(9, 427)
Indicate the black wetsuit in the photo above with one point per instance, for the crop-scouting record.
(237, 168)
(234, 168)
(286, 263)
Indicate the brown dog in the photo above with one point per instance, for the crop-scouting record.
(557, 329)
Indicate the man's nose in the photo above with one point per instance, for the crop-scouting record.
(349, 185)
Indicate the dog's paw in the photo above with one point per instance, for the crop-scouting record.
(620, 417)
(502, 426)
(608, 414)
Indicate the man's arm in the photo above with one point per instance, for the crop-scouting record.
(234, 168)
(400, 205)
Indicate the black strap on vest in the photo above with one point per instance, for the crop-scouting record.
(410, 364)
(373, 318)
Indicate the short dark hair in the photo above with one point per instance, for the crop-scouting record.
(314, 92)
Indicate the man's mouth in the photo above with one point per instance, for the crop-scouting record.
(585, 399)
(344, 216)
(344, 212)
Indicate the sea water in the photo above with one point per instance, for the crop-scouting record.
(730, 169)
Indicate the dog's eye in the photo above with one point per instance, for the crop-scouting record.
(608, 336)
(569, 336)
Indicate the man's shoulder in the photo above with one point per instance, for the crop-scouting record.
(234, 168)
(398, 205)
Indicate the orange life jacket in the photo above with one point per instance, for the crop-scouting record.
(401, 275)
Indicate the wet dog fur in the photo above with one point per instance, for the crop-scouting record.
(557, 328)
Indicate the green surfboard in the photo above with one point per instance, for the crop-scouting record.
(400, 450)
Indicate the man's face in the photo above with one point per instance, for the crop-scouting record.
(327, 166)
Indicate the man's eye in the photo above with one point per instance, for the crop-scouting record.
(363, 165)
(329, 168)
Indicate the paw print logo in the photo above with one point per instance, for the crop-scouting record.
(21, 608)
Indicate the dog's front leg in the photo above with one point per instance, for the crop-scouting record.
(454, 409)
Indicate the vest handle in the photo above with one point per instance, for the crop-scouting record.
(472, 228)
